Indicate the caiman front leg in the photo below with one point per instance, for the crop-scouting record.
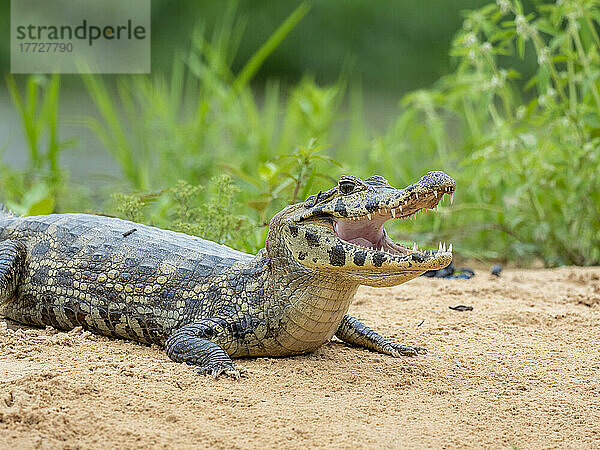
(352, 331)
(202, 344)
(12, 260)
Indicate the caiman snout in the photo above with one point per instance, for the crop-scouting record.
(436, 180)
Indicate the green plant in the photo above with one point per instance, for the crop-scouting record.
(180, 208)
(131, 206)
(36, 190)
(525, 154)
(204, 119)
(288, 179)
(214, 220)
(516, 123)
(195, 118)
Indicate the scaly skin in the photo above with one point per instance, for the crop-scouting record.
(207, 303)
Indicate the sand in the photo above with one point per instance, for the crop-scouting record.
(521, 370)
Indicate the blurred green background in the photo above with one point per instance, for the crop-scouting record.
(392, 46)
(254, 104)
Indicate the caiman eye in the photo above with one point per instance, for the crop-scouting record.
(346, 187)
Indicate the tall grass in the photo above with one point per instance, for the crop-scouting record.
(35, 191)
(525, 152)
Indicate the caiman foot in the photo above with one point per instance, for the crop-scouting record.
(398, 350)
(229, 370)
(354, 332)
(192, 345)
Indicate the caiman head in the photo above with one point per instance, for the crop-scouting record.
(341, 230)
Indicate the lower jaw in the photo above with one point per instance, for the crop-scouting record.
(386, 279)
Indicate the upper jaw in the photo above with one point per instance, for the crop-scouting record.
(403, 204)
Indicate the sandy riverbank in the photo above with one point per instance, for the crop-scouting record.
(522, 369)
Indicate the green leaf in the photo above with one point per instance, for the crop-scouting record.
(521, 47)
(257, 59)
(41, 207)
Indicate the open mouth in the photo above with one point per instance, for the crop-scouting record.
(367, 230)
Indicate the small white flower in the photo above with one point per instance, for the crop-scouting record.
(486, 47)
(504, 6)
(573, 25)
(544, 56)
(470, 39)
(522, 26)
(508, 144)
(498, 81)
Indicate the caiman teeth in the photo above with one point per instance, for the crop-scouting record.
(442, 247)
(407, 250)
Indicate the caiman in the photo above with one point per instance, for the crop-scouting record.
(207, 303)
